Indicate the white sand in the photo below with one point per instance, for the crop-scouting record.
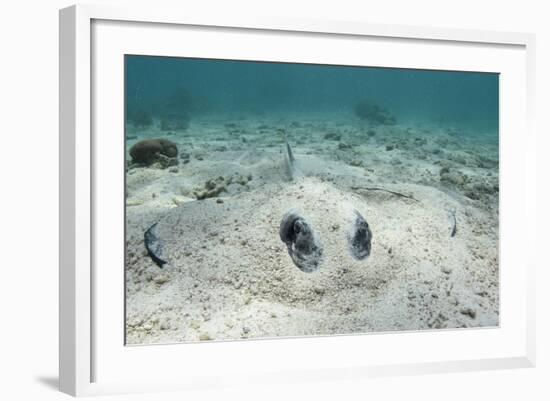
(231, 277)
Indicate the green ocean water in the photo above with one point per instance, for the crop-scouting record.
(467, 100)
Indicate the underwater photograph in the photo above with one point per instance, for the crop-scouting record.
(268, 200)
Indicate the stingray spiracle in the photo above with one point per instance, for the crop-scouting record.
(304, 248)
(359, 237)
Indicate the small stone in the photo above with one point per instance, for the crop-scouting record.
(452, 178)
(246, 330)
(178, 200)
(469, 312)
(473, 195)
(185, 158)
(319, 290)
(332, 136)
(160, 279)
(204, 337)
(219, 200)
(446, 270)
(481, 292)
(210, 184)
(137, 322)
(134, 202)
(343, 146)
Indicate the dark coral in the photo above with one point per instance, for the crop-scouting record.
(158, 150)
(373, 113)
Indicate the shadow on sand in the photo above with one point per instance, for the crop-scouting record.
(52, 382)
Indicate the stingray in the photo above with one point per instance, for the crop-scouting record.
(317, 223)
(306, 211)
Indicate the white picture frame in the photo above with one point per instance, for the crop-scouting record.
(85, 327)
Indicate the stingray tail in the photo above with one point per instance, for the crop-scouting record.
(290, 161)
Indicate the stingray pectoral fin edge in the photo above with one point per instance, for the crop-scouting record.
(153, 244)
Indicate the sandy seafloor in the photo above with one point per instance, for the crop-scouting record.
(229, 275)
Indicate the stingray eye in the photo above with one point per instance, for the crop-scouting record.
(360, 237)
(304, 248)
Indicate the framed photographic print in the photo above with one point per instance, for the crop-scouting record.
(274, 200)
